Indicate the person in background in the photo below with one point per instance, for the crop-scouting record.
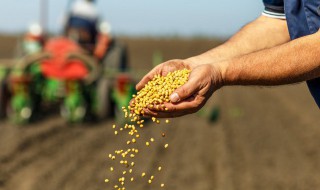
(33, 40)
(280, 47)
(83, 26)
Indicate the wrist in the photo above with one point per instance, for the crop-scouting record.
(223, 67)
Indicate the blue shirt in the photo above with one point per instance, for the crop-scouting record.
(303, 18)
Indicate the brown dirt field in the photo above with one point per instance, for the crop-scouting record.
(266, 138)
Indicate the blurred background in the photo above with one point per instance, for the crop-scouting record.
(67, 68)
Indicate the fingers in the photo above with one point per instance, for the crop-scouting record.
(188, 106)
(185, 91)
(147, 78)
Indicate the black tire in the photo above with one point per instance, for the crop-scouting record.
(4, 96)
(104, 105)
(116, 58)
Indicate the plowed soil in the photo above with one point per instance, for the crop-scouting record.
(265, 138)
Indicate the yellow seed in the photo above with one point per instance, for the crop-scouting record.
(166, 145)
(130, 171)
(113, 157)
(143, 174)
(132, 155)
(106, 180)
(132, 163)
(152, 177)
(159, 168)
(157, 121)
(111, 168)
(122, 183)
(162, 185)
(137, 136)
(149, 181)
(147, 143)
(132, 179)
(133, 140)
(113, 126)
(115, 132)
(152, 139)
(124, 172)
(167, 121)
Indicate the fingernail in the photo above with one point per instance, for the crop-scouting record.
(174, 97)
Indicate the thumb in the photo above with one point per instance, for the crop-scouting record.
(184, 91)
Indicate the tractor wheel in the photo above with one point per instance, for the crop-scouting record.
(117, 58)
(3, 98)
(104, 104)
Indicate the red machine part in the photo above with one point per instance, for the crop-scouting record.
(59, 66)
(122, 81)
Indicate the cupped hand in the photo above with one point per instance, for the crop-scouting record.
(189, 98)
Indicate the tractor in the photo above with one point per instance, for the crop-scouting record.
(63, 74)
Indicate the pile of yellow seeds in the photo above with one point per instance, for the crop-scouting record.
(155, 93)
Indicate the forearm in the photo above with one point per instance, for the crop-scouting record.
(293, 62)
(260, 34)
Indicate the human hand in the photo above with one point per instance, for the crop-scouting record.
(190, 97)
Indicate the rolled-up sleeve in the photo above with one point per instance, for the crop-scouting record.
(274, 9)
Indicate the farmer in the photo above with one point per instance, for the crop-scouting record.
(83, 26)
(280, 47)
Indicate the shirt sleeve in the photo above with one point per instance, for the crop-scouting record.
(274, 9)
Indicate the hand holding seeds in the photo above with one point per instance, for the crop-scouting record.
(191, 96)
